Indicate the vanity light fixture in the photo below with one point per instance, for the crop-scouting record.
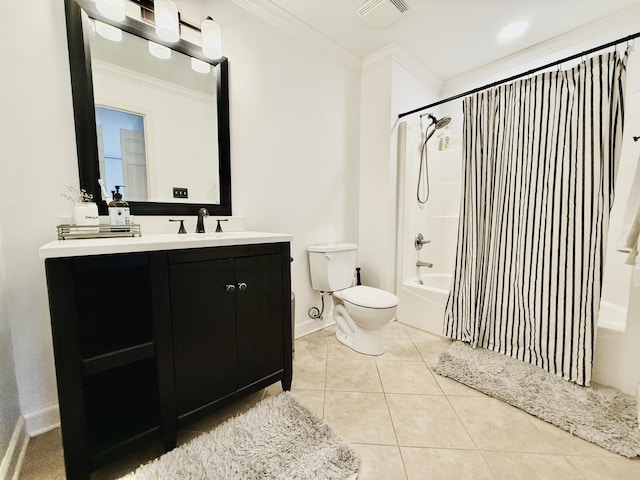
(167, 20)
(211, 38)
(200, 66)
(159, 51)
(113, 9)
(107, 31)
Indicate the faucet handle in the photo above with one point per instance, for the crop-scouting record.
(420, 241)
(219, 228)
(181, 229)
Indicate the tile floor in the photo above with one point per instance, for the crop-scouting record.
(405, 421)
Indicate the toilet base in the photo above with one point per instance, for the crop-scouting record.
(368, 342)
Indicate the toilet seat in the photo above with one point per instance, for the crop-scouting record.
(368, 297)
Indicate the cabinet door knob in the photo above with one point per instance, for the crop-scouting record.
(230, 288)
(242, 286)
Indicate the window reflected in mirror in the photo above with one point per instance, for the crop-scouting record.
(122, 152)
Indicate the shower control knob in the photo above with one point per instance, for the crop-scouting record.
(242, 286)
(230, 288)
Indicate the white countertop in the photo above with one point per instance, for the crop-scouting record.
(155, 242)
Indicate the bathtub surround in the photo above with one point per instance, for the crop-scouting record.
(422, 305)
(539, 169)
(277, 438)
(601, 415)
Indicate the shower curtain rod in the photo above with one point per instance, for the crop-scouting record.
(524, 74)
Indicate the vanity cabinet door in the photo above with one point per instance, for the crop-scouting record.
(204, 332)
(259, 315)
(231, 324)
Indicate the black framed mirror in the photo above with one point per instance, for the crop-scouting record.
(81, 17)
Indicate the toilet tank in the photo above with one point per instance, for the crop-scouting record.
(332, 267)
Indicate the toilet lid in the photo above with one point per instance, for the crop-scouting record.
(369, 297)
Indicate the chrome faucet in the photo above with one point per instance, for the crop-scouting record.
(203, 212)
(424, 264)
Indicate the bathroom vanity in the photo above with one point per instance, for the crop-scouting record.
(151, 333)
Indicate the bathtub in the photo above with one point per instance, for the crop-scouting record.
(422, 305)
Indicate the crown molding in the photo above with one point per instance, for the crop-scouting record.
(395, 52)
(290, 24)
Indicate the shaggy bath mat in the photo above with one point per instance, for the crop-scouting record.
(278, 438)
(601, 415)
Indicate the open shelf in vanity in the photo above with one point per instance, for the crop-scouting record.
(129, 368)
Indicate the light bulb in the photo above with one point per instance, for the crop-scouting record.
(200, 66)
(159, 51)
(113, 9)
(166, 19)
(107, 31)
(211, 38)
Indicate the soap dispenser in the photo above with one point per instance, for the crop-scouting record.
(119, 213)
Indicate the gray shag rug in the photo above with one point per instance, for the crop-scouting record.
(601, 415)
(279, 438)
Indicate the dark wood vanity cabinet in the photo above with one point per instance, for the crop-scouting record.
(147, 342)
(228, 334)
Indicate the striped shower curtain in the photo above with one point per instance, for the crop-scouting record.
(539, 161)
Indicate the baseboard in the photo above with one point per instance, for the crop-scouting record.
(310, 326)
(42, 421)
(12, 460)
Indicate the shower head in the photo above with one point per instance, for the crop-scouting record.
(443, 122)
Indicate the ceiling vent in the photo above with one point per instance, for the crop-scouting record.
(380, 13)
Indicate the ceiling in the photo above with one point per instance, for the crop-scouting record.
(451, 36)
(448, 37)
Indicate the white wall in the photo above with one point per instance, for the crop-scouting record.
(392, 83)
(294, 148)
(376, 191)
(9, 401)
(294, 142)
(38, 160)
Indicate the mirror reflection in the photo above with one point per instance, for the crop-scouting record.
(121, 151)
(156, 118)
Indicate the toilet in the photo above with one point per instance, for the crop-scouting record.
(359, 311)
